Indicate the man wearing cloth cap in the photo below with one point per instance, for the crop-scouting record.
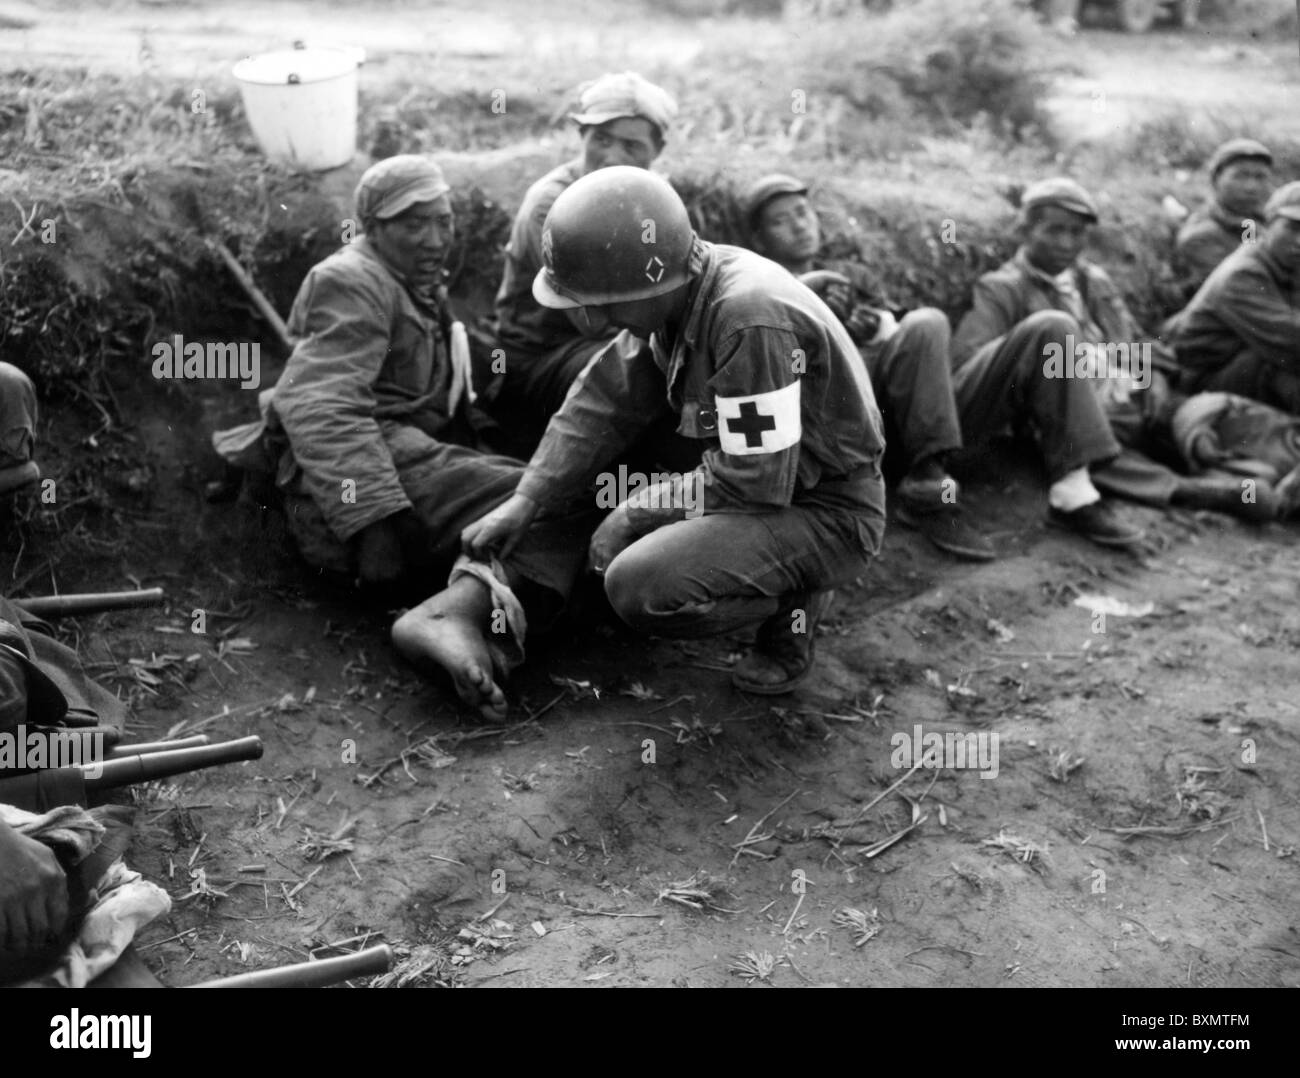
(1046, 326)
(789, 500)
(369, 425)
(1241, 331)
(622, 120)
(1241, 173)
(907, 359)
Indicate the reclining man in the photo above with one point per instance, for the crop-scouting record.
(1051, 325)
(1241, 177)
(622, 120)
(906, 358)
(789, 499)
(1241, 332)
(369, 426)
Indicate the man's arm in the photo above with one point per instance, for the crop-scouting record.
(993, 312)
(1254, 307)
(619, 395)
(1197, 253)
(326, 402)
(759, 410)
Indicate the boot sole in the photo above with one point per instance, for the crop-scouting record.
(1114, 544)
(911, 520)
(782, 687)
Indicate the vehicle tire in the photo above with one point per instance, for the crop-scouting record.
(1136, 16)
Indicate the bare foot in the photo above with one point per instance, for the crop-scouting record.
(447, 631)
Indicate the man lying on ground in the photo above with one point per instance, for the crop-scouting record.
(906, 358)
(1241, 331)
(789, 500)
(622, 120)
(1241, 177)
(369, 424)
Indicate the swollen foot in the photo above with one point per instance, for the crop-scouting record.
(448, 632)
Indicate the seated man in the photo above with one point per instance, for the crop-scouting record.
(622, 120)
(368, 424)
(1087, 353)
(1028, 309)
(906, 359)
(789, 499)
(17, 429)
(1241, 174)
(1241, 331)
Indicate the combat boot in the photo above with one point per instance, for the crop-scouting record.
(784, 650)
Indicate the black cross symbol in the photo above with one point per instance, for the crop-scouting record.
(751, 424)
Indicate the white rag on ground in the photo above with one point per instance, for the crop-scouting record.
(122, 902)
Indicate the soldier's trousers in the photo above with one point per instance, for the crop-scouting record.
(451, 486)
(1006, 382)
(535, 387)
(723, 572)
(913, 385)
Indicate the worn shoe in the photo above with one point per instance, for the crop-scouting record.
(949, 529)
(1098, 522)
(18, 475)
(781, 658)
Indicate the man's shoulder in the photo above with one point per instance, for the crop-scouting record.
(1246, 263)
(539, 198)
(1203, 229)
(350, 266)
(1095, 274)
(1010, 276)
(747, 282)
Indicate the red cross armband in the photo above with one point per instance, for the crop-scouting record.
(760, 423)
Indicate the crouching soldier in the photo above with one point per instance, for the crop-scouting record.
(369, 424)
(907, 359)
(789, 499)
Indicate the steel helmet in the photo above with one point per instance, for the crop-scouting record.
(616, 235)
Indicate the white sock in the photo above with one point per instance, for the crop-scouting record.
(1072, 491)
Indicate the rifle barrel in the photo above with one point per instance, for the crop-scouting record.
(59, 606)
(148, 748)
(161, 765)
(377, 959)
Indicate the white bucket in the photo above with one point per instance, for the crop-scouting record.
(302, 105)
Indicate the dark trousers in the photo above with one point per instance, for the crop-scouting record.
(723, 572)
(913, 385)
(1005, 382)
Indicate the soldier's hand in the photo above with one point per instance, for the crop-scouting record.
(33, 893)
(379, 553)
(500, 530)
(864, 323)
(614, 536)
(834, 289)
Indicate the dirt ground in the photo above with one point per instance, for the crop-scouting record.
(640, 822)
